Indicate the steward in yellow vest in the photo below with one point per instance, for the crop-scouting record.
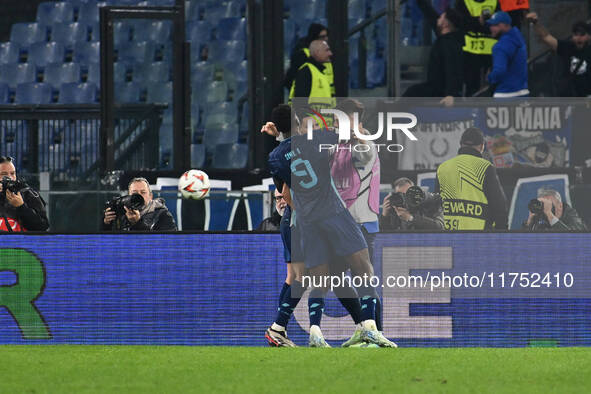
(473, 198)
(312, 82)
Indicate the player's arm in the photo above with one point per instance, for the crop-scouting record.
(287, 195)
(542, 32)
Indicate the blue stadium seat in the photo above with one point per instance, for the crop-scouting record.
(224, 135)
(141, 52)
(197, 155)
(26, 34)
(202, 72)
(87, 52)
(227, 51)
(14, 73)
(151, 72)
(311, 9)
(33, 93)
(122, 33)
(289, 35)
(4, 93)
(58, 73)
(240, 90)
(69, 34)
(78, 93)
(231, 29)
(199, 32)
(377, 5)
(94, 73)
(221, 114)
(43, 53)
(156, 31)
(230, 156)
(357, 9)
(216, 91)
(9, 52)
(89, 12)
(376, 72)
(127, 92)
(50, 12)
(160, 92)
(219, 10)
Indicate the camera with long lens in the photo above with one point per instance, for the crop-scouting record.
(132, 201)
(411, 200)
(12, 185)
(539, 220)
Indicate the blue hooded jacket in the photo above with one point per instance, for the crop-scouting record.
(509, 71)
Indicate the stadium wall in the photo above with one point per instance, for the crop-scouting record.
(222, 289)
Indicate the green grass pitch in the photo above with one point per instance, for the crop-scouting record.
(178, 369)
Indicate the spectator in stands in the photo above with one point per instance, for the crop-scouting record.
(426, 216)
(21, 207)
(301, 54)
(516, 10)
(153, 216)
(509, 71)
(478, 41)
(473, 198)
(272, 223)
(310, 80)
(445, 69)
(576, 52)
(556, 215)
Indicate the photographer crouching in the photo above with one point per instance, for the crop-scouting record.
(138, 211)
(410, 208)
(548, 212)
(21, 208)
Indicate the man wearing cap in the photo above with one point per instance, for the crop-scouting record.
(469, 186)
(509, 56)
(576, 52)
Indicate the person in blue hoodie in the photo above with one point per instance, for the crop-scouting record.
(508, 76)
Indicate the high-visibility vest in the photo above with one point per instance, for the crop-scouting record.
(474, 42)
(512, 5)
(320, 93)
(328, 71)
(461, 182)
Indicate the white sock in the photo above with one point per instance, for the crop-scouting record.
(369, 325)
(277, 327)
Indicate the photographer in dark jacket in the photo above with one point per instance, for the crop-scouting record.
(272, 223)
(153, 216)
(551, 214)
(21, 208)
(426, 214)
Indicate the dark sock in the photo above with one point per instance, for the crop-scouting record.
(288, 304)
(368, 298)
(379, 314)
(315, 306)
(283, 290)
(350, 301)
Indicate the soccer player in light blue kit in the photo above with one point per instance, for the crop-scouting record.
(326, 227)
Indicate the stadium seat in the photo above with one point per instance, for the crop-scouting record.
(4, 94)
(225, 135)
(43, 53)
(94, 73)
(156, 31)
(127, 92)
(151, 72)
(311, 9)
(160, 92)
(289, 34)
(50, 12)
(58, 73)
(240, 91)
(226, 51)
(26, 34)
(202, 72)
(231, 29)
(87, 52)
(376, 72)
(230, 156)
(197, 155)
(78, 93)
(216, 91)
(14, 73)
(199, 32)
(33, 93)
(357, 9)
(69, 34)
(89, 12)
(227, 114)
(141, 52)
(219, 10)
(9, 52)
(122, 33)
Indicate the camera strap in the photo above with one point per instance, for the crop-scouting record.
(7, 223)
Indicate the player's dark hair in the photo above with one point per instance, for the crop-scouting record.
(580, 27)
(453, 17)
(281, 116)
(350, 106)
